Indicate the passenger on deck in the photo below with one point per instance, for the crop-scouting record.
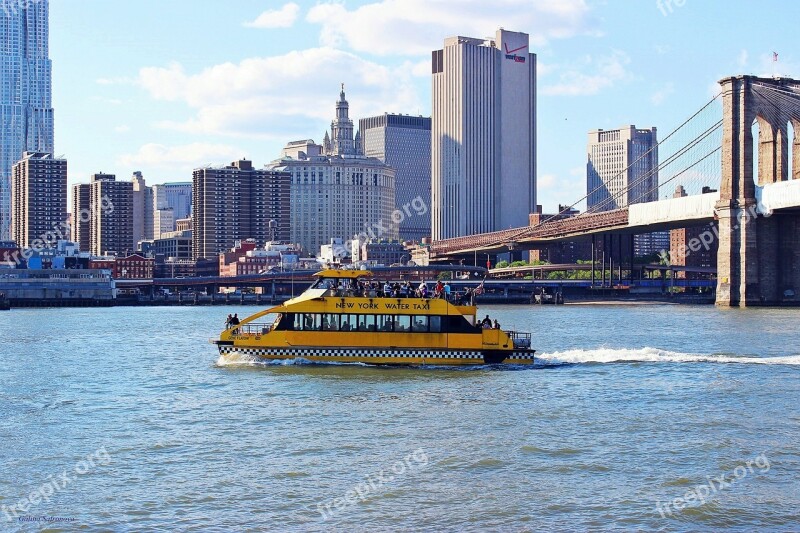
(447, 291)
(496, 324)
(422, 292)
(466, 298)
(228, 321)
(486, 323)
(404, 290)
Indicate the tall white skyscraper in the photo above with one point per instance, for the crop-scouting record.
(483, 135)
(26, 115)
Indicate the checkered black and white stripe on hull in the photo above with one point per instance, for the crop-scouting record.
(377, 356)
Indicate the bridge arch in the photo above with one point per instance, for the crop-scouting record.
(794, 172)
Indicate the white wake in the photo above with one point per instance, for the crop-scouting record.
(654, 355)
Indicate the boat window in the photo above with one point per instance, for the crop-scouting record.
(286, 322)
(420, 324)
(459, 324)
(436, 324)
(402, 323)
(330, 322)
(366, 322)
(311, 322)
(347, 323)
(384, 322)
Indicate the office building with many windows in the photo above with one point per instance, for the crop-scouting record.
(483, 135)
(404, 143)
(39, 200)
(238, 202)
(176, 195)
(80, 216)
(111, 220)
(622, 169)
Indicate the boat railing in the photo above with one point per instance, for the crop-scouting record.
(251, 329)
(520, 339)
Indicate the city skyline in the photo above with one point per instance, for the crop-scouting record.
(152, 104)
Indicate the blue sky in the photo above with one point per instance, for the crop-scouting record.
(163, 87)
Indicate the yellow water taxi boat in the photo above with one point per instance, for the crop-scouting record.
(342, 318)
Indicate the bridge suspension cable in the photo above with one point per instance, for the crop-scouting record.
(689, 150)
(687, 145)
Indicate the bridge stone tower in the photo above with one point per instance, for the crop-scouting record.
(759, 256)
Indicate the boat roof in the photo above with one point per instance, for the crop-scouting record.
(347, 274)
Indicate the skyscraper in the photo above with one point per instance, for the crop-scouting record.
(237, 202)
(483, 135)
(404, 143)
(622, 169)
(81, 216)
(111, 221)
(143, 228)
(39, 200)
(175, 195)
(26, 115)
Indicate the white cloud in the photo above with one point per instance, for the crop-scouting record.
(284, 17)
(590, 76)
(546, 181)
(658, 97)
(122, 80)
(421, 69)
(281, 97)
(123, 128)
(184, 156)
(415, 27)
(554, 190)
(742, 61)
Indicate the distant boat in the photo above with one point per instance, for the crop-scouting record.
(342, 318)
(5, 304)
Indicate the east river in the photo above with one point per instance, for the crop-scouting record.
(643, 417)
